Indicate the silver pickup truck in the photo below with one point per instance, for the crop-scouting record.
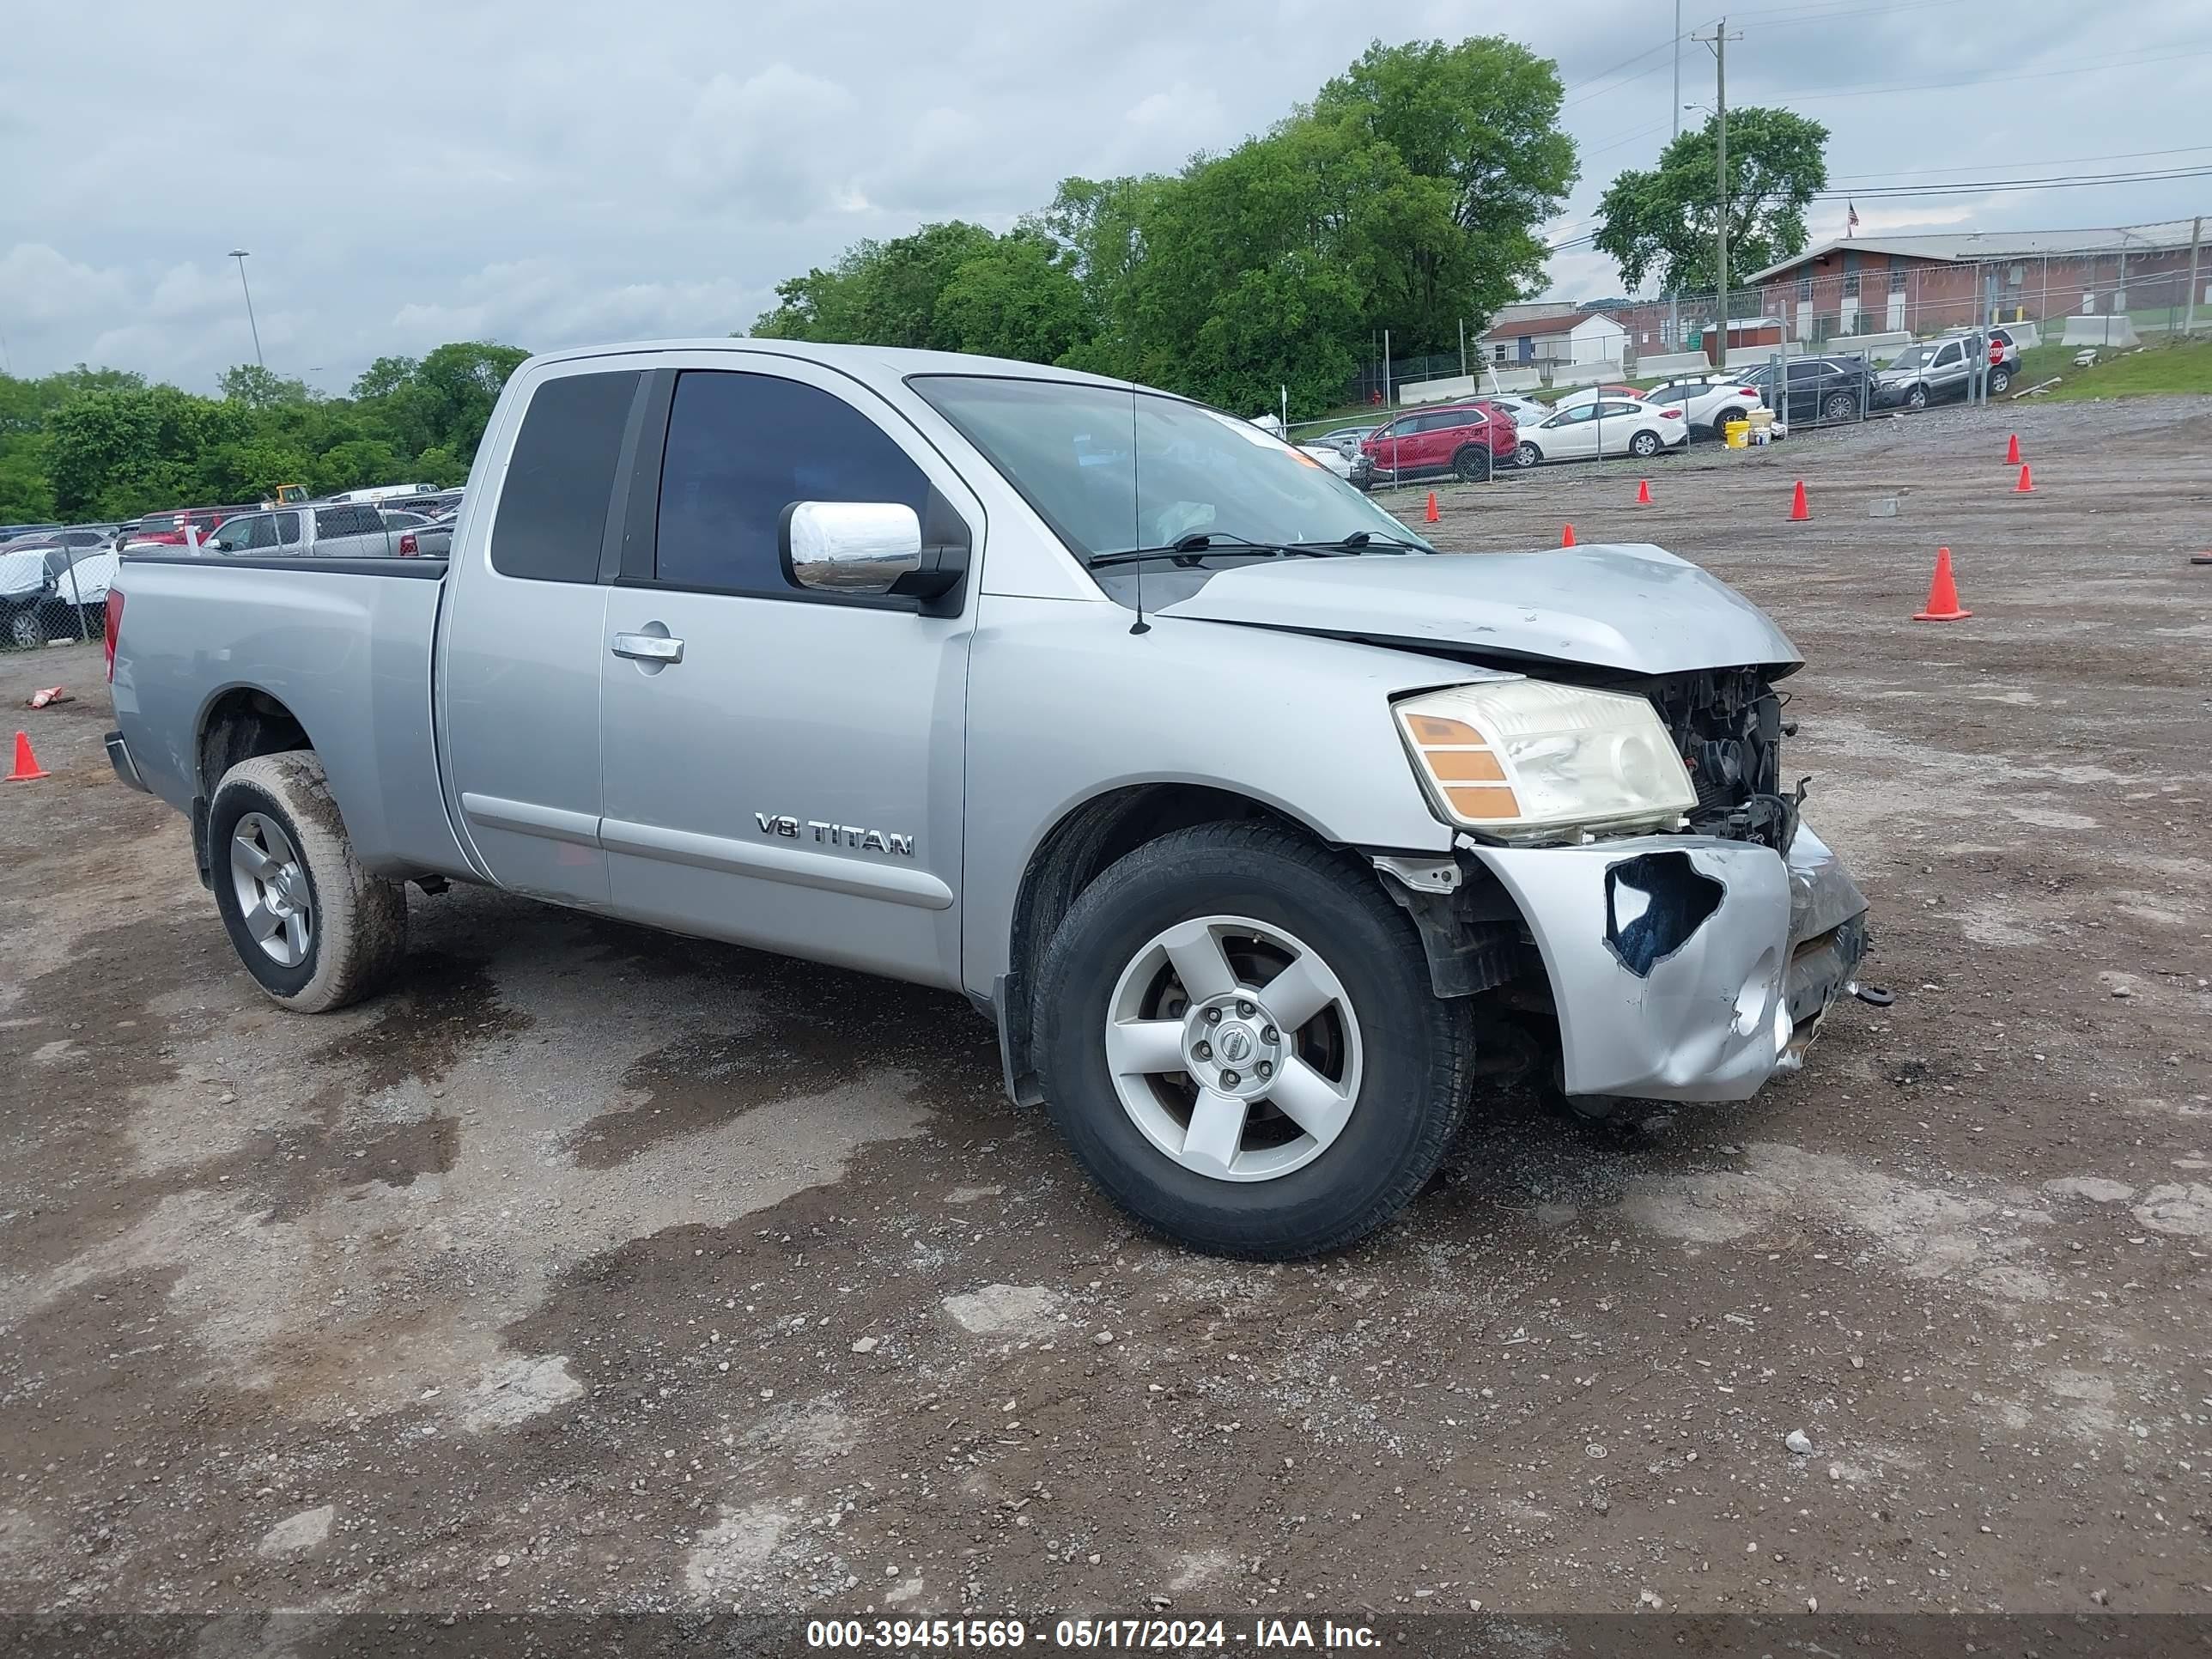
(1271, 840)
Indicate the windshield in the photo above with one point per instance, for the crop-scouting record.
(1112, 471)
(1916, 356)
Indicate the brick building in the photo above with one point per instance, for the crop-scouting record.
(1921, 284)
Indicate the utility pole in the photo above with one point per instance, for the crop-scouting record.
(1673, 310)
(2189, 308)
(1718, 40)
(1462, 348)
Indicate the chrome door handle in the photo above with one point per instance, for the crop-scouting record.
(648, 648)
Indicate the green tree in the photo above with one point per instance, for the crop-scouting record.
(116, 452)
(259, 388)
(1480, 116)
(1666, 220)
(355, 463)
(1016, 298)
(460, 383)
(440, 466)
(385, 376)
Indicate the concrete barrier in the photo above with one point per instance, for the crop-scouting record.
(1574, 374)
(1869, 346)
(1671, 362)
(1511, 379)
(2116, 331)
(1442, 391)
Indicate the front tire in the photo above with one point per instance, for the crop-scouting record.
(1916, 398)
(1238, 1035)
(314, 929)
(1528, 455)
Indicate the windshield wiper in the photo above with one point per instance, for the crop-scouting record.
(1189, 549)
(1362, 541)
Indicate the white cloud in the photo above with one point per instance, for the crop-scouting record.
(604, 172)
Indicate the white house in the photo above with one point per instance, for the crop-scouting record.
(1596, 339)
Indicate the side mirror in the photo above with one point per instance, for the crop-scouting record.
(872, 549)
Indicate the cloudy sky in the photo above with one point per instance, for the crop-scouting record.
(546, 173)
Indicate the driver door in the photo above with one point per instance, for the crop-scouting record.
(1571, 436)
(782, 766)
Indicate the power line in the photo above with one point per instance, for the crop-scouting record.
(1815, 94)
(2047, 162)
(1976, 186)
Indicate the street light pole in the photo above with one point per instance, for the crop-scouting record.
(238, 254)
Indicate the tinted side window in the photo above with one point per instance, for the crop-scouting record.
(346, 521)
(1946, 356)
(553, 510)
(287, 529)
(743, 447)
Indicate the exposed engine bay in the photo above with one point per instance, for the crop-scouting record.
(1727, 727)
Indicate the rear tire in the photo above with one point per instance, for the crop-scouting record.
(314, 929)
(25, 629)
(1471, 465)
(1644, 446)
(2000, 381)
(1840, 406)
(1282, 1181)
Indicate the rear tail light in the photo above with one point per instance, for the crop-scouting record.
(409, 548)
(114, 626)
(1670, 414)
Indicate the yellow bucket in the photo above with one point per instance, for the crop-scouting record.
(1739, 434)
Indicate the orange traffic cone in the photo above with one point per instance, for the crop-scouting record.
(1942, 593)
(1644, 492)
(26, 763)
(1798, 511)
(1432, 507)
(2011, 450)
(2027, 484)
(1567, 537)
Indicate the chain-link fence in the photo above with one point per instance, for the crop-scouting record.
(1848, 332)
(53, 591)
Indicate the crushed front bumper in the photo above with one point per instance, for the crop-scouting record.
(1685, 967)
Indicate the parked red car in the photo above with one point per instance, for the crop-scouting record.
(1460, 440)
(167, 529)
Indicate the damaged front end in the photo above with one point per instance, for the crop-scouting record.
(1691, 965)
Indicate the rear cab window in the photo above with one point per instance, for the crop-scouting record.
(552, 514)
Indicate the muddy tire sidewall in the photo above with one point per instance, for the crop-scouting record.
(358, 935)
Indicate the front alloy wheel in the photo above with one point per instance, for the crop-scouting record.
(1233, 1048)
(1917, 397)
(1528, 455)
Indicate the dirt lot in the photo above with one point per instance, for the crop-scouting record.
(603, 1270)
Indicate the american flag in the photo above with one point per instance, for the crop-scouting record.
(1851, 224)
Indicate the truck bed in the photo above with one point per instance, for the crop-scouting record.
(345, 645)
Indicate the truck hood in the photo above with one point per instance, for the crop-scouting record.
(1630, 607)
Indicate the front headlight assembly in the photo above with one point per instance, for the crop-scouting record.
(1531, 761)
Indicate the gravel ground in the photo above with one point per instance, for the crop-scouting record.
(597, 1269)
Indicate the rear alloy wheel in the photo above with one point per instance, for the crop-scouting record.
(1644, 445)
(1238, 1035)
(1528, 455)
(25, 630)
(1840, 406)
(1999, 380)
(1471, 465)
(314, 929)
